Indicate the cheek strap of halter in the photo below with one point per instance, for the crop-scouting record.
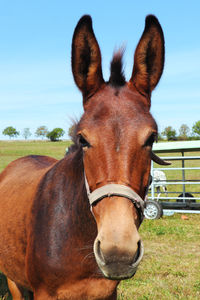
(113, 189)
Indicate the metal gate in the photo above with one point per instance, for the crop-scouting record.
(183, 194)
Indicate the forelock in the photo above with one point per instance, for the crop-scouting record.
(117, 78)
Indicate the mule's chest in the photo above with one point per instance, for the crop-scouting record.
(88, 289)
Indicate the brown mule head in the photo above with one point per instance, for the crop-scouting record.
(116, 133)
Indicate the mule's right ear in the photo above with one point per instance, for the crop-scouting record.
(86, 58)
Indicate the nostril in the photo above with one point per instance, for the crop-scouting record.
(98, 248)
(99, 252)
(139, 248)
(137, 254)
(139, 245)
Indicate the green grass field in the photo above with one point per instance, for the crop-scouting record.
(171, 265)
(11, 150)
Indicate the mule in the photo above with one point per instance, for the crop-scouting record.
(69, 228)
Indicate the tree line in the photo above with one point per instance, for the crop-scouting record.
(185, 133)
(169, 133)
(41, 132)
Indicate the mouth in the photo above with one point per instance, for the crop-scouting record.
(118, 268)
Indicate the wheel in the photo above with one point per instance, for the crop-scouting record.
(153, 210)
(187, 195)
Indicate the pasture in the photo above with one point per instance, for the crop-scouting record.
(171, 265)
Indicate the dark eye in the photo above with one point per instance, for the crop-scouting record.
(151, 139)
(83, 142)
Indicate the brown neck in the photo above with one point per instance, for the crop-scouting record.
(63, 218)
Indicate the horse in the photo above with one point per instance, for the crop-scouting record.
(69, 227)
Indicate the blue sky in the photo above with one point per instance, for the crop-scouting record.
(36, 83)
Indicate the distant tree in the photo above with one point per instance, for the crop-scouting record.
(160, 137)
(71, 131)
(41, 131)
(10, 131)
(170, 133)
(55, 134)
(184, 132)
(26, 133)
(196, 128)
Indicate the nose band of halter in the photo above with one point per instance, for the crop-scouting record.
(113, 189)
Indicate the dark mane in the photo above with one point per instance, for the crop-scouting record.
(117, 77)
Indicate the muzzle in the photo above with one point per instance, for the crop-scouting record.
(110, 190)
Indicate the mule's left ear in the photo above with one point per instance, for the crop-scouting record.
(86, 58)
(149, 57)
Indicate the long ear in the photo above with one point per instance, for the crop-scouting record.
(149, 57)
(86, 58)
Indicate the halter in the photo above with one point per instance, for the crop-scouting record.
(113, 189)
